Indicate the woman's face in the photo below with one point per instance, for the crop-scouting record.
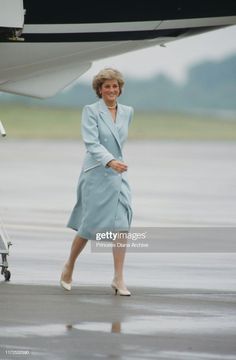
(110, 90)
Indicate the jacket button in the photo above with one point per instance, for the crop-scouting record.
(105, 174)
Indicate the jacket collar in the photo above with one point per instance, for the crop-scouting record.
(106, 116)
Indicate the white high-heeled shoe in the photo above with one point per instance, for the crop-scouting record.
(120, 291)
(65, 285)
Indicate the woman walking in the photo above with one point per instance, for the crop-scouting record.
(103, 195)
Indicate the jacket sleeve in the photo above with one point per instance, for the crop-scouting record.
(91, 137)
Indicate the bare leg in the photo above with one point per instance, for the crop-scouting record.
(76, 248)
(119, 257)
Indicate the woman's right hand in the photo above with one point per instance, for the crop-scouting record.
(117, 165)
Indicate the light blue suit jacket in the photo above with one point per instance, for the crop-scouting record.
(103, 139)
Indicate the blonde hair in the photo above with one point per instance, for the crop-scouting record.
(107, 74)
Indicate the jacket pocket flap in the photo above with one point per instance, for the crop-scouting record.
(91, 167)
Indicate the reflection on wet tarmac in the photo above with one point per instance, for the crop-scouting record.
(57, 329)
(140, 325)
(98, 326)
(151, 325)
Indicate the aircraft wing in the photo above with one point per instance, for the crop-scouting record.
(47, 82)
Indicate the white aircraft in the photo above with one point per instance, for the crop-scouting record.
(45, 45)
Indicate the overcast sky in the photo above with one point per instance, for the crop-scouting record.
(173, 60)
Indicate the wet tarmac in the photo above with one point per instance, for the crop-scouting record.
(90, 322)
(183, 305)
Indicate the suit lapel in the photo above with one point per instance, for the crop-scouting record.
(106, 117)
(119, 115)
